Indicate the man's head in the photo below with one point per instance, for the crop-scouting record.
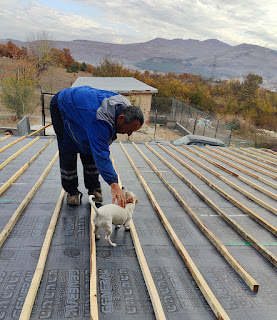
(8, 132)
(130, 119)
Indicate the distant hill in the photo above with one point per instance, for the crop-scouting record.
(209, 58)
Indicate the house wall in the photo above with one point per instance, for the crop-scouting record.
(144, 102)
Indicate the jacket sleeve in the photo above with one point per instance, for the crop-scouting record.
(98, 135)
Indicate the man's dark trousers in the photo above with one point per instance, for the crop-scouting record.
(68, 160)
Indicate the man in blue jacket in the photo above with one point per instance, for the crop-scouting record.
(86, 121)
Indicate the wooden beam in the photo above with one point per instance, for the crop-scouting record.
(11, 144)
(253, 285)
(270, 151)
(93, 270)
(257, 163)
(3, 164)
(23, 137)
(150, 284)
(262, 151)
(39, 130)
(202, 284)
(249, 173)
(257, 152)
(255, 168)
(19, 172)
(32, 292)
(248, 155)
(262, 249)
(5, 138)
(8, 228)
(239, 177)
(230, 183)
(242, 207)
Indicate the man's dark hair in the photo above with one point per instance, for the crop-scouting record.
(8, 131)
(131, 114)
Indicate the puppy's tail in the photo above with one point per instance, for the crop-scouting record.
(91, 201)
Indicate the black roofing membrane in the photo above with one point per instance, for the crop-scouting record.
(122, 293)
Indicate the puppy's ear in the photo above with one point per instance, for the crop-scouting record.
(136, 201)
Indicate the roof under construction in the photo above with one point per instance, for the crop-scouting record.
(202, 244)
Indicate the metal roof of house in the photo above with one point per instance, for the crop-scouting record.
(116, 84)
(64, 291)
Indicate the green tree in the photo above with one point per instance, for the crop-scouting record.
(83, 66)
(74, 67)
(18, 85)
(247, 96)
(111, 68)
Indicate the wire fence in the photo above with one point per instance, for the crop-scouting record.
(200, 123)
(45, 106)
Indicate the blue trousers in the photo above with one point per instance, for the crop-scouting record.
(68, 159)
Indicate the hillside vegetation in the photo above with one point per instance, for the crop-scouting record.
(52, 70)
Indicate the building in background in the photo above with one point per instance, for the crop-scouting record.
(137, 92)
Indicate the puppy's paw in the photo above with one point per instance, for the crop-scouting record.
(117, 226)
(113, 244)
(127, 228)
(97, 236)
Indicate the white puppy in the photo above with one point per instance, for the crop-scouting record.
(110, 214)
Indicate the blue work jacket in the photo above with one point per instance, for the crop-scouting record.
(89, 116)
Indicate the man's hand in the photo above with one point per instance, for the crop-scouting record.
(118, 194)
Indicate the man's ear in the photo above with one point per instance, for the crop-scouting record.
(121, 118)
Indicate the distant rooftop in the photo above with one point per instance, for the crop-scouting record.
(116, 84)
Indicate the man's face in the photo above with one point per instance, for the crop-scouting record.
(128, 128)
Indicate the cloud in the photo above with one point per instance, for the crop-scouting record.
(18, 22)
(231, 21)
(118, 21)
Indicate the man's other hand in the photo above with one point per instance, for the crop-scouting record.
(118, 194)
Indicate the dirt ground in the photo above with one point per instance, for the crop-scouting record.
(150, 134)
(143, 135)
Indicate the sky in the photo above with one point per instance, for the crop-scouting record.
(132, 21)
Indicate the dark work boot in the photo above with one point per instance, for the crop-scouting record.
(97, 193)
(74, 199)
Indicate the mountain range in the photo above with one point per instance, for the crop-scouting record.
(210, 58)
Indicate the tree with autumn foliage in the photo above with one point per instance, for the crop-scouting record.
(40, 48)
(10, 50)
(68, 57)
(19, 84)
(245, 100)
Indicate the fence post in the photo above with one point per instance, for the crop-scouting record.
(230, 136)
(181, 120)
(155, 125)
(204, 129)
(216, 128)
(195, 122)
(173, 108)
(42, 111)
(188, 117)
